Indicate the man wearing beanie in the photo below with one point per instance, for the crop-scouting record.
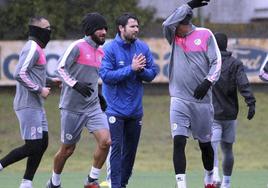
(127, 62)
(31, 91)
(225, 102)
(195, 65)
(79, 103)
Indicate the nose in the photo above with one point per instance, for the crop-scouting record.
(104, 31)
(137, 29)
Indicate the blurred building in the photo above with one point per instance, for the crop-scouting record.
(3, 2)
(227, 11)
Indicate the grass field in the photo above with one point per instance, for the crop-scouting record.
(140, 179)
(153, 167)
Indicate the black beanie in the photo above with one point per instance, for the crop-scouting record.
(92, 22)
(222, 40)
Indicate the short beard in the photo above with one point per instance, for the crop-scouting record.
(130, 39)
(97, 40)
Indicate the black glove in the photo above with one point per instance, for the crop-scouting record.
(251, 111)
(83, 88)
(202, 89)
(103, 103)
(197, 3)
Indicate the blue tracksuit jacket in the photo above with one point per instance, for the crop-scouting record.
(122, 87)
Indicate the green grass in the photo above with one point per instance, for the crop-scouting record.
(140, 179)
(153, 167)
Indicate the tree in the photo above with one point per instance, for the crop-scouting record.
(64, 15)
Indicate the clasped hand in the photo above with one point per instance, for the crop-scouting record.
(138, 62)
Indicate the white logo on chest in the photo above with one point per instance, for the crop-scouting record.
(197, 42)
(88, 56)
(121, 63)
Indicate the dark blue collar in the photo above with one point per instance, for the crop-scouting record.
(122, 42)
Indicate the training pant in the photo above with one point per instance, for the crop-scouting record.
(125, 135)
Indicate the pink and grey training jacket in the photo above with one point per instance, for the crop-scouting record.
(194, 57)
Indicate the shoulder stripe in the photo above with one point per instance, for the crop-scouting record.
(217, 71)
(26, 63)
(63, 73)
(23, 73)
(68, 51)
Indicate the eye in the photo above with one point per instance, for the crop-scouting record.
(48, 28)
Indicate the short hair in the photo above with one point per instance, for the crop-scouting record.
(123, 20)
(34, 20)
(222, 40)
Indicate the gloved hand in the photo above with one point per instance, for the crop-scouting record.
(251, 111)
(103, 103)
(202, 89)
(83, 88)
(197, 3)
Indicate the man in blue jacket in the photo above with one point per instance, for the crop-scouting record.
(127, 62)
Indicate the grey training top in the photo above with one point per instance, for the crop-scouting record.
(80, 62)
(194, 57)
(30, 75)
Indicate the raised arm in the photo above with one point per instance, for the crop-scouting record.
(170, 24)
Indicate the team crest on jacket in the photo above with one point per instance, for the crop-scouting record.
(197, 42)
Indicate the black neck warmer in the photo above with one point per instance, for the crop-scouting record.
(41, 34)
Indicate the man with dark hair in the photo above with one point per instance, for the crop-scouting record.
(127, 62)
(31, 91)
(225, 102)
(195, 64)
(79, 102)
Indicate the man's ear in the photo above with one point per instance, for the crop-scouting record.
(121, 28)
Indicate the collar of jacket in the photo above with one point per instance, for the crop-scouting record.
(122, 42)
(36, 40)
(193, 27)
(192, 30)
(91, 42)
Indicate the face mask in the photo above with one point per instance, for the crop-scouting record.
(41, 34)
